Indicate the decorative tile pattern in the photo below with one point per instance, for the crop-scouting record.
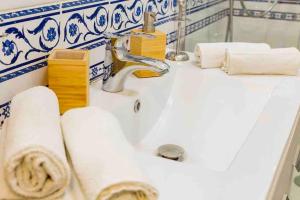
(191, 28)
(83, 24)
(198, 5)
(76, 3)
(126, 15)
(23, 71)
(200, 24)
(4, 112)
(280, 1)
(31, 33)
(274, 15)
(96, 70)
(27, 12)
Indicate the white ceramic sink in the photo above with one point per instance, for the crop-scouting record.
(224, 123)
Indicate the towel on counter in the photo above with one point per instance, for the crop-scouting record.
(33, 163)
(212, 55)
(102, 158)
(282, 61)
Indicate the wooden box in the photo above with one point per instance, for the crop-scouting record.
(68, 77)
(148, 47)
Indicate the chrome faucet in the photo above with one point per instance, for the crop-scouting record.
(115, 49)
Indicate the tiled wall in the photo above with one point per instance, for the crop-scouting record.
(279, 28)
(271, 29)
(28, 35)
(210, 15)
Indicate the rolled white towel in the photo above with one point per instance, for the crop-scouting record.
(282, 61)
(102, 158)
(33, 160)
(212, 55)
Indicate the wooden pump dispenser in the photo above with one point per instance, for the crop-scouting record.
(152, 47)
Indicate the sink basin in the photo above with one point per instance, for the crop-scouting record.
(219, 120)
(152, 94)
(206, 112)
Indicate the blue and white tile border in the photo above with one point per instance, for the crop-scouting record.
(273, 15)
(81, 29)
(280, 1)
(32, 33)
(4, 112)
(76, 24)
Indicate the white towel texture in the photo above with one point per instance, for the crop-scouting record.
(102, 159)
(33, 163)
(212, 55)
(282, 61)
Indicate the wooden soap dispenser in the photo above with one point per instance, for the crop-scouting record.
(152, 47)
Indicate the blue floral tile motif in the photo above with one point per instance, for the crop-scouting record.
(94, 71)
(84, 26)
(51, 34)
(150, 8)
(8, 47)
(160, 7)
(174, 3)
(38, 39)
(9, 53)
(124, 16)
(4, 112)
(117, 18)
(138, 11)
(73, 28)
(107, 70)
(194, 3)
(102, 20)
(166, 4)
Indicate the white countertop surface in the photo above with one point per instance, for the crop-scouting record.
(250, 174)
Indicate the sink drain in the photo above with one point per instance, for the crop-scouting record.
(171, 151)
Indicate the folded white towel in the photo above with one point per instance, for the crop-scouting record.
(283, 61)
(212, 55)
(33, 161)
(102, 158)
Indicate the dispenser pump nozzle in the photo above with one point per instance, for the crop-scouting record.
(149, 19)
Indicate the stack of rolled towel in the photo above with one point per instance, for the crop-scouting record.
(102, 159)
(33, 161)
(248, 58)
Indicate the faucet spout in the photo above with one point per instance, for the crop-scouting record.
(115, 82)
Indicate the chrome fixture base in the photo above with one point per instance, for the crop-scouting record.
(181, 56)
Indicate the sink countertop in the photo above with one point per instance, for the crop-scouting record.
(250, 174)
